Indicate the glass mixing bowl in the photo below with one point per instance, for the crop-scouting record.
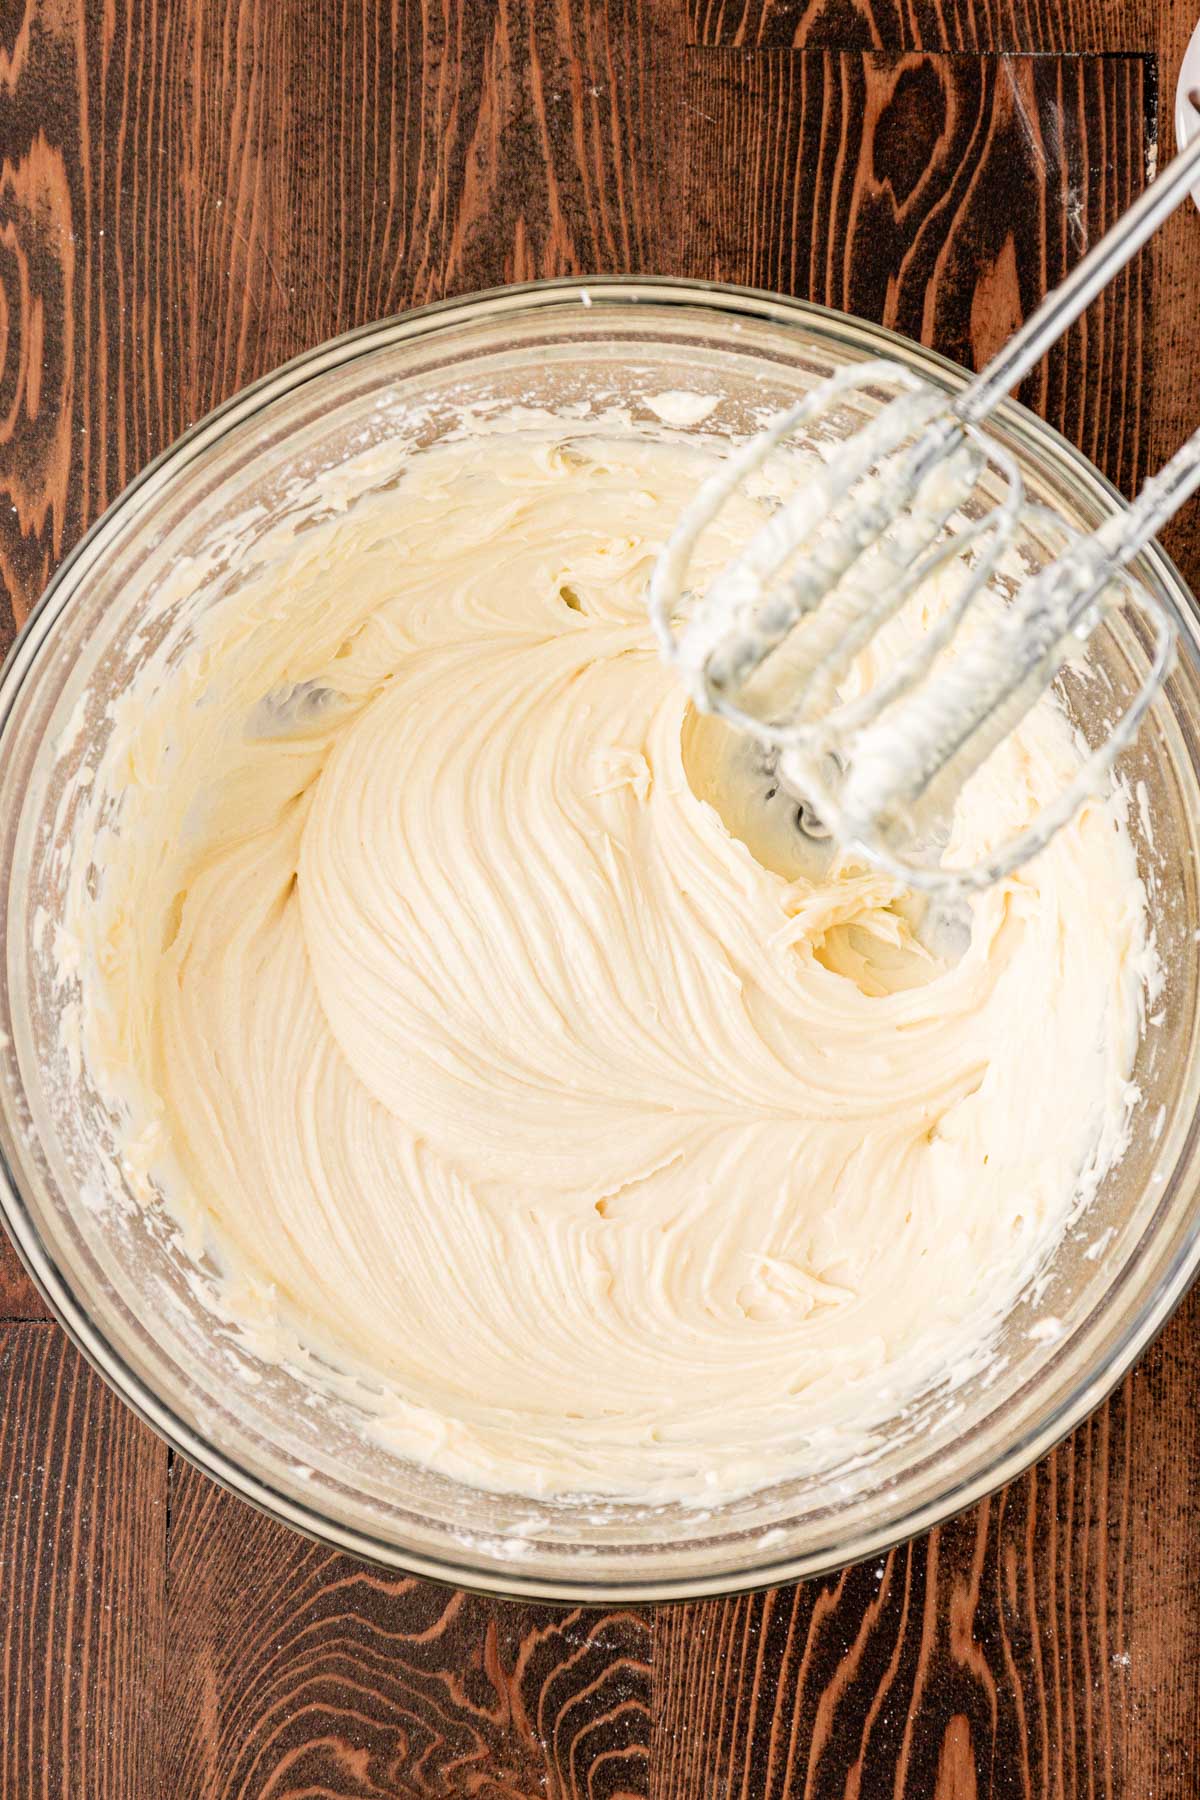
(116, 1274)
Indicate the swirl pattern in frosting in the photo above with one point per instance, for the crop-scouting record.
(492, 1060)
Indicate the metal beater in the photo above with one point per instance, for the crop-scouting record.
(890, 505)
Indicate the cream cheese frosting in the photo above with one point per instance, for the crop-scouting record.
(435, 993)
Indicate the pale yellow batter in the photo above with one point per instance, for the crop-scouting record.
(430, 986)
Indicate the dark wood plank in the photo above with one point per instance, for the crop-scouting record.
(520, 141)
(1159, 1667)
(82, 1535)
(991, 1657)
(291, 1671)
(1031, 27)
(940, 195)
(19, 1299)
(1173, 260)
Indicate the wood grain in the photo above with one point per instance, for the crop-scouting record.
(1161, 1680)
(1029, 27)
(82, 1540)
(941, 196)
(291, 1671)
(990, 1657)
(19, 1299)
(1172, 259)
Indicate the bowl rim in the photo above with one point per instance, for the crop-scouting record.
(488, 1576)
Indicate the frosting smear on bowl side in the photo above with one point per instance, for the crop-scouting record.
(435, 993)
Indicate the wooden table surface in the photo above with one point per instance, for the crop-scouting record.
(192, 191)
